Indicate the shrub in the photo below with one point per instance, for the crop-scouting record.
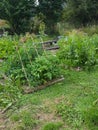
(78, 50)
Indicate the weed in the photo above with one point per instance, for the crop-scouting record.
(70, 114)
(25, 120)
(91, 116)
(52, 126)
(8, 94)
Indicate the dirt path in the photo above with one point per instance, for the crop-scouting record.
(2, 121)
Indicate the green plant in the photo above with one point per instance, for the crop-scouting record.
(91, 115)
(78, 50)
(74, 98)
(8, 94)
(24, 119)
(51, 16)
(80, 12)
(14, 11)
(90, 29)
(16, 65)
(7, 46)
(28, 66)
(69, 114)
(52, 126)
(44, 69)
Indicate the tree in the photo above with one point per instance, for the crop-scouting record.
(81, 11)
(52, 10)
(18, 13)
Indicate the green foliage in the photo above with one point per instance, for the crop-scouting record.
(78, 50)
(72, 102)
(90, 29)
(26, 65)
(52, 10)
(18, 14)
(38, 26)
(52, 126)
(70, 114)
(77, 118)
(7, 46)
(91, 115)
(8, 94)
(44, 69)
(39, 69)
(17, 64)
(24, 119)
(81, 12)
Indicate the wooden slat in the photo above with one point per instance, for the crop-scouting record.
(49, 42)
(53, 48)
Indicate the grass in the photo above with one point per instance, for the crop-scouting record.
(52, 126)
(70, 105)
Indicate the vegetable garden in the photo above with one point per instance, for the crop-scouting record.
(26, 65)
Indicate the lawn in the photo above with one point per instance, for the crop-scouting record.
(69, 105)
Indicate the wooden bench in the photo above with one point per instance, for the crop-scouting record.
(48, 44)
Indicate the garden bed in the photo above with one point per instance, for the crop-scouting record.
(49, 83)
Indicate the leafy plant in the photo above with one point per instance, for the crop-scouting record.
(78, 50)
(44, 69)
(7, 46)
(28, 65)
(16, 65)
(69, 114)
(8, 94)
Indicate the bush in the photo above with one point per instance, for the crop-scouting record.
(78, 50)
